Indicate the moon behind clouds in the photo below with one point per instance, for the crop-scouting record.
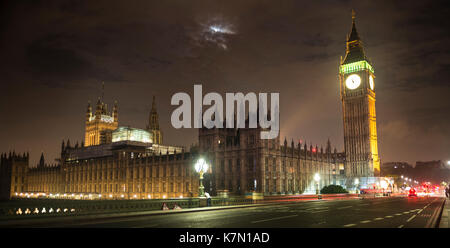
(216, 30)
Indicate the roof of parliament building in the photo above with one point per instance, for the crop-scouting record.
(107, 150)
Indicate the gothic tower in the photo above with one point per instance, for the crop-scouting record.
(100, 124)
(357, 87)
(153, 125)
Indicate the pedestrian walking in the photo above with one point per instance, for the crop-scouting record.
(208, 199)
(447, 191)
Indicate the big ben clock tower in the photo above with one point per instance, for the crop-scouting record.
(357, 85)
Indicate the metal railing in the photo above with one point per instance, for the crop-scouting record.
(29, 208)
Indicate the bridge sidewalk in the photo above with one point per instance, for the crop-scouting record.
(445, 223)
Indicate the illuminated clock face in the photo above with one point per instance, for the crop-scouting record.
(353, 81)
(371, 84)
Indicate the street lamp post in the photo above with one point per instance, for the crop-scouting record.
(317, 179)
(201, 167)
(357, 185)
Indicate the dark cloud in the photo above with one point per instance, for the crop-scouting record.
(317, 40)
(52, 64)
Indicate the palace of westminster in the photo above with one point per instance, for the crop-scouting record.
(117, 162)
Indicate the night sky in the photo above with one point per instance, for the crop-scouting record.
(55, 55)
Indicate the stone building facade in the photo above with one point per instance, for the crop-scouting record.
(45, 178)
(241, 162)
(127, 171)
(130, 170)
(13, 174)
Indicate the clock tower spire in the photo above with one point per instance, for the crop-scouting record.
(356, 76)
(153, 124)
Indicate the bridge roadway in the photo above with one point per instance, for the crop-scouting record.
(385, 212)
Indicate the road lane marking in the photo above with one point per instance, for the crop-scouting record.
(366, 221)
(281, 208)
(378, 218)
(349, 225)
(411, 218)
(406, 212)
(398, 214)
(420, 211)
(310, 209)
(345, 207)
(319, 211)
(388, 216)
(144, 226)
(277, 218)
(401, 226)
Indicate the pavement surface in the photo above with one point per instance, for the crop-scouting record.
(445, 223)
(383, 212)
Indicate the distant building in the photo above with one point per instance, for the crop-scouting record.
(396, 169)
(430, 165)
(435, 171)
